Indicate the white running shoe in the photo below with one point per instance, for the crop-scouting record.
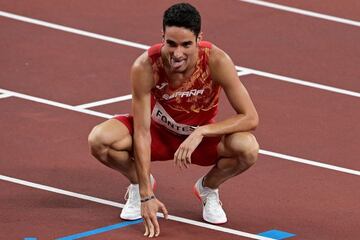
(212, 206)
(132, 207)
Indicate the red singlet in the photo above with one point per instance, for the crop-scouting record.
(176, 112)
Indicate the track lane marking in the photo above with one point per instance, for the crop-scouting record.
(4, 95)
(300, 82)
(145, 47)
(102, 230)
(241, 72)
(303, 12)
(309, 162)
(72, 30)
(107, 116)
(55, 104)
(104, 102)
(119, 205)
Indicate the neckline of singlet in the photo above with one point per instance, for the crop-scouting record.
(186, 79)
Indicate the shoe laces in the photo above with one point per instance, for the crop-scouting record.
(132, 193)
(211, 198)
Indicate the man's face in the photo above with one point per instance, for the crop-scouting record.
(180, 48)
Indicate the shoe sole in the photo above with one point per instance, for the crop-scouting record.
(197, 194)
(130, 219)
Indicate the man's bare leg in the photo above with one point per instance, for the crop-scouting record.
(111, 143)
(237, 152)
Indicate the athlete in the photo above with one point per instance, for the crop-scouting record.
(175, 93)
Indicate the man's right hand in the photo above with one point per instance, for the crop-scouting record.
(148, 212)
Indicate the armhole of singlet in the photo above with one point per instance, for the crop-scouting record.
(205, 44)
(154, 52)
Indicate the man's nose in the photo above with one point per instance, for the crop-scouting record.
(178, 52)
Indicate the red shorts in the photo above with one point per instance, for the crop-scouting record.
(164, 144)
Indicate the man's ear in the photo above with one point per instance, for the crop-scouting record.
(200, 37)
(162, 36)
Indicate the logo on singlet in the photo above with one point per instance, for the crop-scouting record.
(192, 92)
(162, 85)
(160, 116)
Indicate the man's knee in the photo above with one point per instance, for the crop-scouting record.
(110, 139)
(97, 144)
(243, 146)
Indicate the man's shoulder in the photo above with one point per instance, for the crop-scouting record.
(217, 52)
(142, 62)
(141, 74)
(217, 56)
(221, 66)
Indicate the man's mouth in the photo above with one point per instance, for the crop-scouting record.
(177, 63)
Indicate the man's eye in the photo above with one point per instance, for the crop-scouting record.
(171, 44)
(187, 45)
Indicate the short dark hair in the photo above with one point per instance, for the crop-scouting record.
(183, 15)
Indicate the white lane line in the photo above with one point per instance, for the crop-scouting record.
(300, 82)
(144, 47)
(106, 101)
(119, 205)
(5, 95)
(309, 162)
(72, 30)
(55, 104)
(243, 72)
(61, 191)
(103, 115)
(303, 12)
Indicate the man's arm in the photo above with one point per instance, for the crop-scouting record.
(142, 82)
(223, 73)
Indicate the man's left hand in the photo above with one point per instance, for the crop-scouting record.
(182, 156)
